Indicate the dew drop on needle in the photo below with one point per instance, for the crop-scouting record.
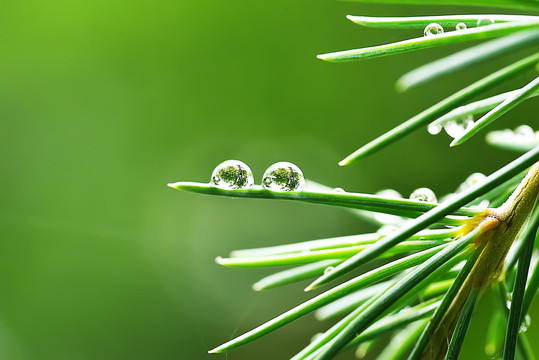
(423, 194)
(282, 177)
(231, 175)
(433, 29)
(461, 26)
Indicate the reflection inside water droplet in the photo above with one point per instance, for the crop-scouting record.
(283, 176)
(231, 175)
(433, 29)
(423, 194)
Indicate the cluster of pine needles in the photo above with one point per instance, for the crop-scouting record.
(422, 273)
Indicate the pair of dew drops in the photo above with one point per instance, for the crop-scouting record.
(281, 176)
(437, 29)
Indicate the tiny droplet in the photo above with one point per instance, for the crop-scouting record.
(339, 190)
(328, 269)
(387, 229)
(485, 22)
(461, 26)
(231, 175)
(433, 29)
(423, 194)
(282, 177)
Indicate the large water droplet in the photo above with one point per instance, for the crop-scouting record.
(328, 269)
(461, 26)
(283, 176)
(456, 129)
(485, 22)
(434, 128)
(423, 194)
(231, 175)
(433, 29)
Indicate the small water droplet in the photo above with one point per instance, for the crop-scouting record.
(433, 29)
(316, 337)
(525, 324)
(476, 178)
(339, 190)
(283, 176)
(461, 26)
(472, 180)
(524, 133)
(456, 129)
(423, 194)
(231, 175)
(328, 269)
(434, 128)
(508, 304)
(404, 309)
(485, 22)
(387, 229)
(387, 218)
(389, 193)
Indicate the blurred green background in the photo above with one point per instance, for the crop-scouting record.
(104, 102)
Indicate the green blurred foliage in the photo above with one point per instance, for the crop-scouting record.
(104, 102)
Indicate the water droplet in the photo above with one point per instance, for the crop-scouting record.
(476, 178)
(423, 194)
(316, 337)
(387, 218)
(404, 309)
(461, 26)
(433, 29)
(434, 128)
(283, 176)
(328, 269)
(508, 304)
(525, 324)
(339, 190)
(389, 193)
(232, 174)
(524, 133)
(485, 22)
(456, 129)
(472, 180)
(387, 229)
